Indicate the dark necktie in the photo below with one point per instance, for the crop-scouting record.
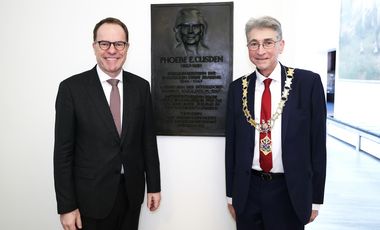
(265, 137)
(115, 103)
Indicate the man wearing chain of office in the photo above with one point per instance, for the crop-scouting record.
(275, 138)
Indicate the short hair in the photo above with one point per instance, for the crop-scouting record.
(265, 22)
(110, 20)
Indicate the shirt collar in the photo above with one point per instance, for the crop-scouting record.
(104, 77)
(275, 75)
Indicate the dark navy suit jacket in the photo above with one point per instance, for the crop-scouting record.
(303, 135)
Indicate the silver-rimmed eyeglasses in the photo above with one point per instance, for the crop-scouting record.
(267, 44)
(119, 45)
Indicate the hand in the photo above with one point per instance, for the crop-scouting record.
(314, 214)
(232, 211)
(71, 220)
(153, 201)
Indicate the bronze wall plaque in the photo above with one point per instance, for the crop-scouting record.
(192, 48)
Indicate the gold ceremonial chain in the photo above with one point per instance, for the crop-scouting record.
(266, 126)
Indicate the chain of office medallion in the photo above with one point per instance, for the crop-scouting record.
(266, 126)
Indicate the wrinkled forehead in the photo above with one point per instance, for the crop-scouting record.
(261, 34)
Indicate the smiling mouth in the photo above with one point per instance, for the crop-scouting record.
(261, 59)
(111, 58)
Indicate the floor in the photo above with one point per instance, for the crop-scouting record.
(352, 194)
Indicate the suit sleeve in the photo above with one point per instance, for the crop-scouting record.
(64, 151)
(230, 142)
(152, 165)
(318, 141)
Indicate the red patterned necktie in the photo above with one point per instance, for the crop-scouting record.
(265, 137)
(115, 103)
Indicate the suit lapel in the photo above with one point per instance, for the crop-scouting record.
(96, 93)
(127, 97)
(285, 112)
(251, 103)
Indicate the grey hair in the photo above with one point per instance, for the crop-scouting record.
(265, 22)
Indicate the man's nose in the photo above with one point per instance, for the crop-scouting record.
(260, 49)
(112, 48)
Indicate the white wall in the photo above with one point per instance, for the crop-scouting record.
(356, 103)
(45, 41)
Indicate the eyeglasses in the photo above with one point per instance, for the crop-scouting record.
(267, 44)
(119, 45)
(187, 28)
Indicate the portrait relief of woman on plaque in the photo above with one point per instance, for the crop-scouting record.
(190, 30)
(191, 48)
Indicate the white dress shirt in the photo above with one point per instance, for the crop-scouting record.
(103, 77)
(107, 87)
(275, 89)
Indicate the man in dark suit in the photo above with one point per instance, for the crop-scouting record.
(105, 144)
(275, 138)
